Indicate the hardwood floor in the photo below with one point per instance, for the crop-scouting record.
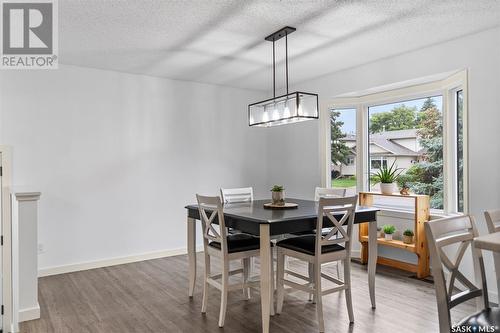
(151, 296)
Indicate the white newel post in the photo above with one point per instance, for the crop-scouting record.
(25, 255)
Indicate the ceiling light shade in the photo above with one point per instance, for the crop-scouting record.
(286, 109)
(289, 108)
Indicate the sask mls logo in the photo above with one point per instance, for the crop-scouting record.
(29, 34)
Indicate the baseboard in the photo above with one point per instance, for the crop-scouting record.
(29, 313)
(48, 271)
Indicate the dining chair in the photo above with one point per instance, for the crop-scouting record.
(242, 194)
(318, 249)
(233, 195)
(493, 223)
(492, 220)
(218, 243)
(454, 235)
(329, 192)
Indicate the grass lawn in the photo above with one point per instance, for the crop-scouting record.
(344, 182)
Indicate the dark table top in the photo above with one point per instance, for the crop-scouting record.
(248, 216)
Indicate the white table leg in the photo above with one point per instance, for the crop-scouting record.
(372, 259)
(265, 275)
(191, 249)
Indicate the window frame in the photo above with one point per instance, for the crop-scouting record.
(446, 87)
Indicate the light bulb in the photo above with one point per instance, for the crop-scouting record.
(276, 115)
(286, 111)
(265, 116)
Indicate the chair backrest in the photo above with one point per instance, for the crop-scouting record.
(211, 214)
(459, 233)
(329, 192)
(340, 213)
(232, 195)
(492, 220)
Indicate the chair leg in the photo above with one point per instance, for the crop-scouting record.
(272, 284)
(246, 274)
(338, 269)
(347, 282)
(280, 284)
(205, 283)
(224, 291)
(310, 268)
(319, 300)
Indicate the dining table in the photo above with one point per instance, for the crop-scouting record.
(253, 218)
(491, 242)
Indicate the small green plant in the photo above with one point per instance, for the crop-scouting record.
(389, 229)
(388, 175)
(408, 232)
(277, 188)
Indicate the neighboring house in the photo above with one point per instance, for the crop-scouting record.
(385, 147)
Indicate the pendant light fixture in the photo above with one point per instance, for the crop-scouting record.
(284, 109)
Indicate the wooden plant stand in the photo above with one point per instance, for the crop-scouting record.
(421, 209)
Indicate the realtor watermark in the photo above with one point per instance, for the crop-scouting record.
(474, 329)
(29, 34)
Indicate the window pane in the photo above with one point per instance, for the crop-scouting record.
(409, 134)
(460, 150)
(343, 149)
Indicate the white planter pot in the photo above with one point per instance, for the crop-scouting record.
(278, 198)
(388, 236)
(387, 188)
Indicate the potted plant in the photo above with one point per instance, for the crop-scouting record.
(380, 233)
(389, 230)
(278, 195)
(408, 236)
(387, 178)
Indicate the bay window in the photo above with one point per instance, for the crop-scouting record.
(420, 129)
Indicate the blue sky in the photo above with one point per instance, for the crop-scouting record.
(348, 116)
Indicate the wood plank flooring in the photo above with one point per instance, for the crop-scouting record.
(151, 296)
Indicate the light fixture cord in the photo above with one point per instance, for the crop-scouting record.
(286, 59)
(274, 73)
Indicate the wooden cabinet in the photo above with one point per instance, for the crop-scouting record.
(419, 247)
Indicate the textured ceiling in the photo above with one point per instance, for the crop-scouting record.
(222, 42)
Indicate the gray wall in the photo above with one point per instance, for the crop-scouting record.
(117, 156)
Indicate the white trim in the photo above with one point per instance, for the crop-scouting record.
(9, 319)
(48, 271)
(29, 313)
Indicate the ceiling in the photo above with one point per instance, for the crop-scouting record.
(222, 42)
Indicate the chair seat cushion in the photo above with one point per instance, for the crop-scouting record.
(239, 242)
(484, 318)
(324, 232)
(307, 244)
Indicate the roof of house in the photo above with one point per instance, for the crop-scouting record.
(393, 147)
(385, 141)
(399, 134)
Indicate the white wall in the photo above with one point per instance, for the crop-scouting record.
(298, 145)
(117, 156)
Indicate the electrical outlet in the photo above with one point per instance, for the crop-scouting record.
(41, 248)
